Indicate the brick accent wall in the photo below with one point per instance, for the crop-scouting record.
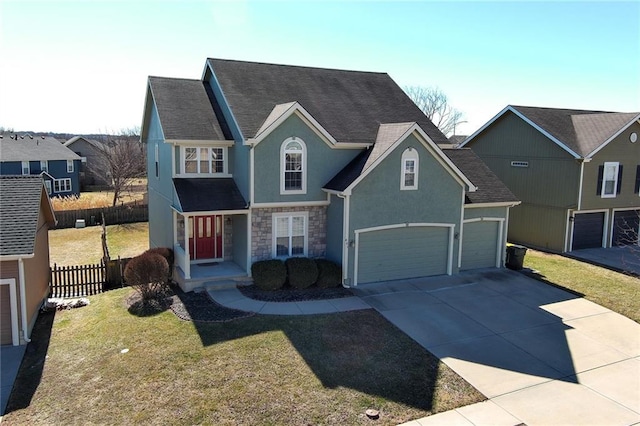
(262, 236)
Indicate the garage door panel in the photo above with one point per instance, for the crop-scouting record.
(626, 225)
(479, 244)
(5, 316)
(401, 253)
(587, 230)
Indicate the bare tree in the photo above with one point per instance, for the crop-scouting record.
(627, 232)
(123, 160)
(435, 105)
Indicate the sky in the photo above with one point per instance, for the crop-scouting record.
(81, 67)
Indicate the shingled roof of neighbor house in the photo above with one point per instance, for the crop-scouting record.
(187, 110)
(582, 131)
(20, 200)
(34, 148)
(208, 194)
(490, 188)
(350, 105)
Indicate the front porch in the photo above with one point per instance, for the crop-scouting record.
(211, 275)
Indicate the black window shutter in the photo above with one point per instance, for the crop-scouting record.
(637, 190)
(600, 174)
(619, 179)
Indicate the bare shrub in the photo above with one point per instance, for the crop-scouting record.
(147, 274)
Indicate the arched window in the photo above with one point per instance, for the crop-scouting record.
(293, 167)
(409, 175)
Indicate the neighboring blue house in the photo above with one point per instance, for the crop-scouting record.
(41, 155)
(258, 161)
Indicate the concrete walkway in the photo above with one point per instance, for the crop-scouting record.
(10, 360)
(541, 355)
(620, 259)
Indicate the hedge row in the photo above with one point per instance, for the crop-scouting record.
(298, 272)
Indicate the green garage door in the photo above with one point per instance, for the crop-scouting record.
(401, 253)
(479, 244)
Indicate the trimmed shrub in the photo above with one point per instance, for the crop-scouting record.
(302, 272)
(147, 274)
(329, 274)
(269, 274)
(165, 252)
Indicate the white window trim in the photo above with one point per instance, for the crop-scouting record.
(65, 182)
(69, 166)
(290, 215)
(225, 161)
(615, 179)
(283, 153)
(25, 167)
(47, 185)
(409, 154)
(44, 166)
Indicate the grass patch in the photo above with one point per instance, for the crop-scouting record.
(83, 246)
(317, 369)
(613, 290)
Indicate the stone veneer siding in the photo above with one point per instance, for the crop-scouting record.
(262, 237)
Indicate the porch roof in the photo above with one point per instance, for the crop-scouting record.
(208, 194)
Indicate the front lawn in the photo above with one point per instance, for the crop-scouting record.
(618, 292)
(104, 365)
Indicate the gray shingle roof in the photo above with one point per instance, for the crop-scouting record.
(350, 105)
(490, 187)
(582, 131)
(20, 200)
(186, 110)
(36, 148)
(208, 194)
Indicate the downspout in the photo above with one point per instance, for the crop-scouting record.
(345, 239)
(23, 301)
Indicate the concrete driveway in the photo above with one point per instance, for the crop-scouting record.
(541, 355)
(623, 258)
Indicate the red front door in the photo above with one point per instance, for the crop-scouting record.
(205, 237)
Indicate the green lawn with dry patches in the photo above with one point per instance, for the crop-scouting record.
(273, 370)
(613, 290)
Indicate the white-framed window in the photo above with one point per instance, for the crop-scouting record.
(204, 160)
(290, 234)
(69, 166)
(410, 168)
(47, 185)
(25, 167)
(293, 166)
(44, 166)
(62, 185)
(609, 180)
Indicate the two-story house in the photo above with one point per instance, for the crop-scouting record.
(257, 161)
(576, 172)
(41, 155)
(94, 169)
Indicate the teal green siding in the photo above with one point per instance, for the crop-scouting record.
(335, 244)
(479, 212)
(240, 240)
(619, 150)
(160, 188)
(323, 163)
(378, 201)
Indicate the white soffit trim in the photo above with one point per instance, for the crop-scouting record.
(497, 204)
(529, 122)
(615, 135)
(215, 143)
(429, 145)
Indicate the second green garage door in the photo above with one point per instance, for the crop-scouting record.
(480, 244)
(401, 253)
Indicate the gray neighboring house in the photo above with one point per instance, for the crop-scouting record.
(258, 161)
(577, 173)
(94, 170)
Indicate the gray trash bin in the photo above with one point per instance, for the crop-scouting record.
(515, 257)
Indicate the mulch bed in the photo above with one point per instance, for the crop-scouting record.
(294, 295)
